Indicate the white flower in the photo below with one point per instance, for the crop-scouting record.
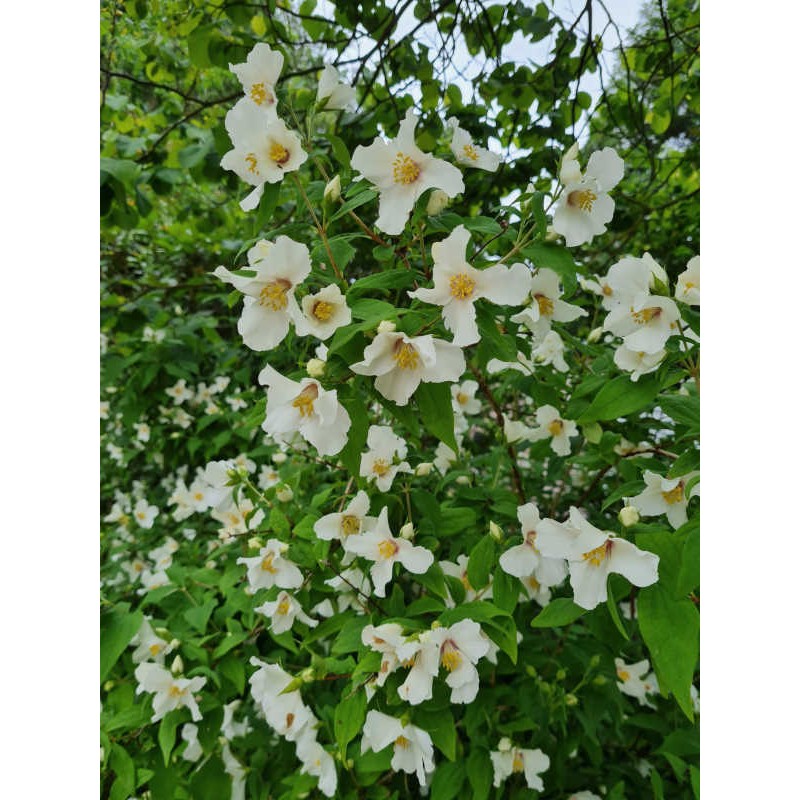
(594, 554)
(665, 496)
(270, 568)
(413, 748)
(645, 323)
(259, 74)
(461, 647)
(637, 363)
(168, 692)
(457, 285)
(422, 655)
(384, 639)
(336, 94)
(550, 351)
(317, 761)
(144, 514)
(193, 750)
(468, 154)
(305, 407)
(547, 305)
(269, 302)
(633, 680)
(238, 519)
(383, 549)
(531, 762)
(179, 392)
(333, 189)
(402, 362)
(264, 149)
(437, 202)
(142, 431)
(323, 313)
(533, 590)
(525, 560)
(352, 520)
(104, 407)
(626, 279)
(585, 794)
(464, 400)
(268, 477)
(384, 457)
(284, 711)
(402, 172)
(148, 645)
(687, 289)
(445, 456)
(458, 569)
(585, 207)
(283, 611)
(523, 364)
(551, 425)
(236, 771)
(231, 729)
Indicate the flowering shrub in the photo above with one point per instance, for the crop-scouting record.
(420, 518)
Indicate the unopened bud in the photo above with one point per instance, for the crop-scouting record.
(594, 335)
(423, 469)
(436, 624)
(495, 532)
(177, 666)
(333, 189)
(255, 543)
(504, 745)
(387, 326)
(174, 643)
(284, 494)
(211, 564)
(530, 670)
(463, 480)
(594, 661)
(315, 368)
(570, 700)
(628, 516)
(307, 675)
(407, 531)
(279, 458)
(600, 680)
(349, 763)
(561, 674)
(437, 202)
(108, 686)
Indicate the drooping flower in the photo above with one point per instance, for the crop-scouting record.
(383, 549)
(515, 759)
(550, 351)
(400, 363)
(547, 305)
(402, 172)
(259, 74)
(168, 691)
(592, 555)
(149, 647)
(665, 496)
(634, 680)
(352, 520)
(305, 407)
(638, 363)
(384, 457)
(644, 323)
(585, 207)
(284, 711)
(323, 312)
(269, 568)
(384, 639)
(413, 748)
(236, 771)
(282, 613)
(457, 285)
(687, 289)
(524, 560)
(468, 154)
(332, 93)
(193, 750)
(317, 761)
(269, 302)
(462, 646)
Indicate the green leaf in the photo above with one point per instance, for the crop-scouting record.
(558, 612)
(125, 772)
(198, 616)
(689, 574)
(479, 773)
(279, 524)
(349, 637)
(442, 729)
(350, 455)
(503, 632)
(613, 611)
(620, 397)
(478, 610)
(348, 719)
(684, 409)
(481, 562)
(558, 259)
(436, 410)
(117, 628)
(505, 590)
(167, 732)
(670, 629)
(447, 781)
(391, 279)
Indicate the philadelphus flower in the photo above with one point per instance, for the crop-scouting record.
(468, 154)
(687, 289)
(437, 202)
(333, 189)
(585, 207)
(550, 351)
(531, 762)
(384, 639)
(269, 568)
(638, 363)
(317, 761)
(525, 560)
(149, 647)
(551, 425)
(645, 323)
(284, 711)
(457, 285)
(168, 692)
(413, 748)
(333, 92)
(180, 392)
(236, 771)
(634, 680)
(283, 611)
(547, 305)
(193, 750)
(269, 302)
(464, 400)
(307, 408)
(665, 496)
(323, 313)
(592, 555)
(259, 74)
(353, 520)
(402, 362)
(383, 549)
(144, 514)
(231, 729)
(380, 462)
(402, 172)
(458, 569)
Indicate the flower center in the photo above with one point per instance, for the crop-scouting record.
(273, 295)
(283, 607)
(530, 539)
(582, 198)
(673, 495)
(387, 548)
(597, 556)
(304, 402)
(470, 152)
(266, 563)
(406, 356)
(646, 315)
(380, 467)
(278, 153)
(252, 163)
(350, 524)
(461, 286)
(518, 764)
(322, 310)
(532, 583)
(462, 398)
(623, 675)
(401, 741)
(465, 582)
(175, 691)
(607, 290)
(545, 304)
(154, 649)
(451, 657)
(405, 170)
(260, 95)
(555, 427)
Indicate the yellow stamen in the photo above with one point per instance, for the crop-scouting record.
(674, 495)
(266, 563)
(607, 290)
(401, 741)
(174, 691)
(533, 584)
(470, 152)
(283, 607)
(406, 356)
(646, 315)
(405, 170)
(380, 467)
(387, 548)
(278, 153)
(252, 163)
(597, 556)
(322, 310)
(461, 286)
(154, 649)
(451, 657)
(517, 765)
(462, 398)
(304, 402)
(623, 675)
(198, 496)
(545, 304)
(273, 295)
(555, 427)
(582, 198)
(350, 524)
(260, 95)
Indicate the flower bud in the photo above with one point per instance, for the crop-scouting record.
(177, 666)
(530, 670)
(211, 564)
(333, 190)
(279, 458)
(387, 326)
(495, 531)
(108, 686)
(600, 680)
(628, 516)
(504, 745)
(423, 469)
(315, 367)
(570, 700)
(437, 202)
(174, 643)
(284, 493)
(561, 674)
(463, 480)
(407, 531)
(307, 675)
(594, 335)
(255, 543)
(594, 661)
(551, 235)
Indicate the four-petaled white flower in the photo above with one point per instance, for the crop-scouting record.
(384, 457)
(638, 363)
(352, 520)
(269, 568)
(284, 711)
(645, 322)
(525, 560)
(384, 639)
(468, 154)
(168, 691)
(551, 425)
(193, 750)
(457, 285)
(413, 748)
(585, 207)
(547, 305)
(149, 646)
(516, 759)
(283, 611)
(305, 407)
(464, 400)
(259, 74)
(402, 172)
(687, 288)
(144, 514)
(592, 555)
(400, 363)
(332, 93)
(665, 496)
(323, 313)
(317, 761)
(634, 680)
(550, 351)
(383, 549)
